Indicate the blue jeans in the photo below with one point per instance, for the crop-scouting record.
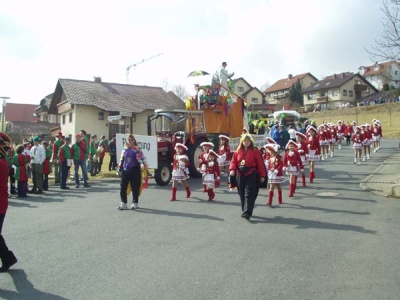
(82, 164)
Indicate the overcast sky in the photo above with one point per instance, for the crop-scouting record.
(262, 41)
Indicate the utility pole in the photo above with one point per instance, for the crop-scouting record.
(138, 63)
(3, 114)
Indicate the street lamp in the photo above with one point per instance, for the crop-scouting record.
(3, 114)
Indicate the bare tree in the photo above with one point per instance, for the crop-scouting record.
(264, 86)
(388, 46)
(180, 91)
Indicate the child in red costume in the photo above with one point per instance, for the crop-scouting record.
(292, 165)
(275, 173)
(357, 145)
(203, 158)
(21, 161)
(212, 174)
(181, 162)
(303, 151)
(314, 150)
(224, 152)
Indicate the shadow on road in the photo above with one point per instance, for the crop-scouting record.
(25, 289)
(177, 214)
(327, 210)
(307, 224)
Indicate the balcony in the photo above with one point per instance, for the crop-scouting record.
(360, 87)
(322, 99)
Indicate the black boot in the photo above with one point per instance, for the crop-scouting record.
(8, 261)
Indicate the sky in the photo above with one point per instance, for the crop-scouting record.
(262, 41)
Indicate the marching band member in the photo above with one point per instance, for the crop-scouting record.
(275, 173)
(333, 138)
(212, 174)
(357, 145)
(324, 143)
(181, 162)
(366, 142)
(248, 168)
(292, 165)
(303, 151)
(376, 135)
(207, 146)
(224, 152)
(314, 150)
(340, 129)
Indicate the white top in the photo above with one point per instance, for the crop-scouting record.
(38, 154)
(292, 133)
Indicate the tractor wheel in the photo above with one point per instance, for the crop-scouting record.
(163, 173)
(193, 154)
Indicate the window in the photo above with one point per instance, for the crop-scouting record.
(335, 92)
(101, 115)
(323, 94)
(344, 92)
(350, 93)
(254, 100)
(312, 96)
(63, 119)
(240, 89)
(70, 117)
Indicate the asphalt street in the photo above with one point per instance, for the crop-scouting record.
(333, 240)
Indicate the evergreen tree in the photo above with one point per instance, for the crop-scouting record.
(295, 94)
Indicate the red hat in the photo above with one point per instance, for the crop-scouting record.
(180, 145)
(298, 133)
(291, 142)
(59, 133)
(224, 137)
(311, 128)
(207, 144)
(213, 153)
(270, 140)
(272, 147)
(78, 134)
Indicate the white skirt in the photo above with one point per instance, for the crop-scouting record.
(367, 142)
(376, 138)
(323, 142)
(340, 135)
(357, 146)
(179, 175)
(209, 180)
(303, 160)
(292, 170)
(222, 161)
(312, 156)
(333, 141)
(274, 178)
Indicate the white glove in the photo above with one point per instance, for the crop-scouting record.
(218, 178)
(302, 171)
(284, 169)
(276, 171)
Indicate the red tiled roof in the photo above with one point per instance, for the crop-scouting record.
(16, 112)
(370, 70)
(286, 83)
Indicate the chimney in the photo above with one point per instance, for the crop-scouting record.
(290, 76)
(97, 79)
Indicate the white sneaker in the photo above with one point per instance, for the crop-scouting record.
(134, 206)
(122, 206)
(358, 162)
(340, 147)
(331, 154)
(367, 156)
(363, 158)
(355, 160)
(326, 156)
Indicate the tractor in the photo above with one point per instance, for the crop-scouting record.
(173, 126)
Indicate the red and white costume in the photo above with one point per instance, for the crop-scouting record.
(376, 132)
(212, 172)
(275, 169)
(314, 148)
(224, 152)
(292, 162)
(180, 164)
(340, 128)
(357, 140)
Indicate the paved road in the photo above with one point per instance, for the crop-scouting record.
(333, 240)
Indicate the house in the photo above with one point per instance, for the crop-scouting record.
(379, 74)
(278, 93)
(21, 122)
(336, 90)
(104, 108)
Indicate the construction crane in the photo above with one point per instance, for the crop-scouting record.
(138, 63)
